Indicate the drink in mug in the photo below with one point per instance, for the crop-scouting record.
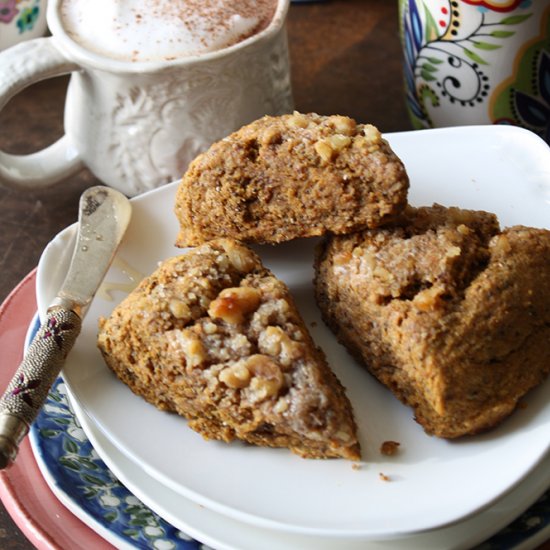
(153, 84)
(153, 30)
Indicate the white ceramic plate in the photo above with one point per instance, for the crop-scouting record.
(432, 482)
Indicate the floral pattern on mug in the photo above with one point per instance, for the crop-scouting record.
(8, 11)
(29, 16)
(448, 59)
(498, 5)
(525, 97)
(26, 16)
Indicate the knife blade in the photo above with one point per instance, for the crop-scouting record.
(104, 215)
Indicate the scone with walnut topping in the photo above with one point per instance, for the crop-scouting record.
(291, 176)
(215, 337)
(447, 310)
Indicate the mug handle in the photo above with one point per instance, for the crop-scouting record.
(21, 66)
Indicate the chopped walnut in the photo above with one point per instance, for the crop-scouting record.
(190, 345)
(242, 259)
(343, 124)
(237, 376)
(368, 261)
(210, 328)
(453, 252)
(267, 377)
(281, 406)
(179, 309)
(338, 141)
(361, 142)
(372, 133)
(258, 373)
(324, 150)
(501, 244)
(382, 274)
(298, 120)
(233, 304)
(328, 148)
(342, 259)
(275, 342)
(269, 341)
(271, 135)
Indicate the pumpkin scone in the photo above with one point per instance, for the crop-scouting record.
(299, 175)
(445, 309)
(214, 336)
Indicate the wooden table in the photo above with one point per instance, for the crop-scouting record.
(346, 59)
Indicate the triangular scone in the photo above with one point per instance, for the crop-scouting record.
(215, 336)
(447, 310)
(298, 175)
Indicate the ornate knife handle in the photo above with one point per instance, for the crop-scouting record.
(32, 381)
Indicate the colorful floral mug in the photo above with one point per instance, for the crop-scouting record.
(477, 62)
(21, 20)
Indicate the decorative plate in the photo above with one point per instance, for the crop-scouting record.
(27, 497)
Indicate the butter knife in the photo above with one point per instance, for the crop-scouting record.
(103, 217)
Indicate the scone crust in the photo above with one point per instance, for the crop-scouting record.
(213, 336)
(449, 312)
(299, 175)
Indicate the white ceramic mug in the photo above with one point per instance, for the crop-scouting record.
(137, 125)
(21, 20)
(477, 62)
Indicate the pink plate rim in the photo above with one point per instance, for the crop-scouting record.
(42, 518)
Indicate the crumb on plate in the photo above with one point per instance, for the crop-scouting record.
(389, 448)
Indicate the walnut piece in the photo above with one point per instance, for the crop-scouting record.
(372, 133)
(267, 377)
(179, 309)
(453, 252)
(338, 141)
(501, 245)
(242, 259)
(328, 148)
(236, 376)
(463, 229)
(233, 304)
(298, 120)
(324, 150)
(343, 124)
(190, 345)
(275, 342)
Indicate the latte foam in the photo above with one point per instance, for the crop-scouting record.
(160, 30)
